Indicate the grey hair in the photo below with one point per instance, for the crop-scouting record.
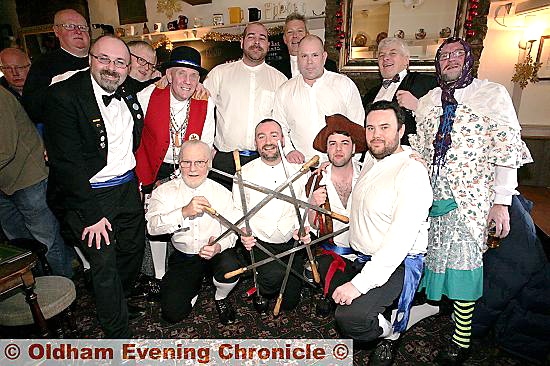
(398, 42)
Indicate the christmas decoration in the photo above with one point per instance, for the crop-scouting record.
(168, 7)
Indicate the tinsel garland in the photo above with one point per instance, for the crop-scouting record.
(232, 37)
(163, 42)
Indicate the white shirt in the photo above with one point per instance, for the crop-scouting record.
(243, 96)
(119, 125)
(294, 71)
(337, 206)
(301, 109)
(277, 220)
(179, 110)
(390, 206)
(389, 93)
(164, 215)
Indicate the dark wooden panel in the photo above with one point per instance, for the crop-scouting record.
(131, 11)
(39, 12)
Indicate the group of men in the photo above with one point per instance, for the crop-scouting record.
(110, 138)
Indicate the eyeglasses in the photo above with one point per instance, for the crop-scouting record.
(449, 55)
(13, 69)
(72, 27)
(143, 62)
(119, 63)
(197, 163)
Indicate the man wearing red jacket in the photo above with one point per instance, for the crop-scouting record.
(172, 115)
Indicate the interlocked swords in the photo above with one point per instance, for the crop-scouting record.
(235, 228)
(281, 187)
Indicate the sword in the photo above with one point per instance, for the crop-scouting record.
(268, 198)
(237, 272)
(301, 233)
(233, 227)
(284, 197)
(237, 159)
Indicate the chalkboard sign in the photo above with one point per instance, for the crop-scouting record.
(277, 49)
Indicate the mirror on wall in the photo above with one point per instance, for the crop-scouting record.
(422, 24)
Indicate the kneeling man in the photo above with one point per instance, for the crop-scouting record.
(388, 231)
(178, 208)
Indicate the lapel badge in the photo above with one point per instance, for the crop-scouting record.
(102, 138)
(194, 136)
(138, 116)
(102, 145)
(135, 106)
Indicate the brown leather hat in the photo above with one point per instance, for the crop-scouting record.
(339, 123)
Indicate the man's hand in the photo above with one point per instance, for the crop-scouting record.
(306, 239)
(499, 214)
(201, 92)
(248, 241)
(97, 231)
(321, 168)
(416, 156)
(319, 196)
(407, 100)
(195, 207)
(295, 157)
(209, 250)
(345, 294)
(162, 82)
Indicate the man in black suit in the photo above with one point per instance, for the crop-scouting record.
(398, 83)
(294, 30)
(93, 127)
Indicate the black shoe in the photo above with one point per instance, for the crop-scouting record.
(325, 306)
(261, 304)
(135, 312)
(384, 353)
(452, 355)
(153, 290)
(225, 311)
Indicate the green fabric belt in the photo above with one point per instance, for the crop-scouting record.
(441, 207)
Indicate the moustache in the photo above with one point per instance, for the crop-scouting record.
(110, 73)
(258, 47)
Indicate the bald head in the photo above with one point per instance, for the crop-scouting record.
(15, 64)
(73, 32)
(311, 58)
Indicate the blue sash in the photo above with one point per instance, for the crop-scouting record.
(248, 153)
(336, 249)
(116, 181)
(414, 264)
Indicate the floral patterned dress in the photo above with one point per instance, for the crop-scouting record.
(485, 133)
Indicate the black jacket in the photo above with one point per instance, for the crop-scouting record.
(418, 85)
(76, 141)
(516, 290)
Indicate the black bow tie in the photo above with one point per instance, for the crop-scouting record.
(107, 98)
(386, 83)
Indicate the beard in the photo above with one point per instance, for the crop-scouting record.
(251, 54)
(384, 151)
(270, 155)
(109, 85)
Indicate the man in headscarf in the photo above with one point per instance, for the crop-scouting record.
(469, 134)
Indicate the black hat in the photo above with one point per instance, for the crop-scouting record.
(184, 56)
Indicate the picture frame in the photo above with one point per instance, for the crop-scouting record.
(543, 56)
(38, 40)
(217, 19)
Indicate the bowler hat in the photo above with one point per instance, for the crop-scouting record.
(184, 56)
(338, 123)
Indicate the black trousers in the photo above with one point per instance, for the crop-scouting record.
(271, 275)
(360, 319)
(183, 280)
(224, 161)
(114, 267)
